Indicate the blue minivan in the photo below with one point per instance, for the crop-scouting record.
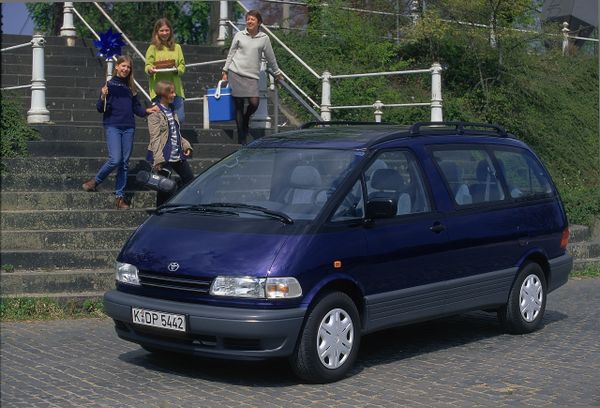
(302, 242)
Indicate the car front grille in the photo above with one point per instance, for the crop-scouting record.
(174, 282)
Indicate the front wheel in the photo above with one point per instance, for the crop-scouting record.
(526, 302)
(329, 343)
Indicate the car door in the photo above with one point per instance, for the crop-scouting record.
(405, 253)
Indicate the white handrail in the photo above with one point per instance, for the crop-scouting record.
(371, 74)
(110, 20)
(199, 64)
(14, 47)
(391, 105)
(137, 84)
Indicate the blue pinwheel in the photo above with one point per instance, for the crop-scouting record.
(109, 44)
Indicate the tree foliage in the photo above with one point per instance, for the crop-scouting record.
(189, 18)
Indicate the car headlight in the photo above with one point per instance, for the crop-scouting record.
(249, 287)
(127, 273)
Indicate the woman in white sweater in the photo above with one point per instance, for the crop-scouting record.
(242, 68)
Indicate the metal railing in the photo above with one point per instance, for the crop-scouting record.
(38, 113)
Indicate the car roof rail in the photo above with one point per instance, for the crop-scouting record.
(309, 125)
(415, 129)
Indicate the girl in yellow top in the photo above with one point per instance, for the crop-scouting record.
(164, 48)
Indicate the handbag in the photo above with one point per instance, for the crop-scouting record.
(157, 182)
(220, 103)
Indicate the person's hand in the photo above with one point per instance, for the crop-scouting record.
(104, 92)
(158, 167)
(187, 152)
(279, 77)
(224, 76)
(152, 70)
(152, 109)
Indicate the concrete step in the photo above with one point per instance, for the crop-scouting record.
(78, 239)
(57, 281)
(72, 200)
(578, 233)
(585, 249)
(224, 134)
(58, 219)
(583, 263)
(63, 259)
(64, 182)
(95, 149)
(60, 166)
(24, 78)
(81, 116)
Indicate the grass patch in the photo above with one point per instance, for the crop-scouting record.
(21, 309)
(591, 271)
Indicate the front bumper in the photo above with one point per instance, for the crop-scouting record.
(212, 331)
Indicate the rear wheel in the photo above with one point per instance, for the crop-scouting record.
(527, 301)
(329, 343)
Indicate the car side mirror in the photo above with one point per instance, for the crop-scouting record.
(381, 208)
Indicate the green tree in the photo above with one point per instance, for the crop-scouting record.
(189, 18)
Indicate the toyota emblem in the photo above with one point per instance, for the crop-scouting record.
(173, 266)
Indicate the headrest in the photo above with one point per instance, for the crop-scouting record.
(305, 177)
(483, 171)
(387, 179)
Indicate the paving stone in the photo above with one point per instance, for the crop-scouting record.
(461, 361)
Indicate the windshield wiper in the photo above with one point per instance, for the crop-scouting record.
(171, 208)
(283, 217)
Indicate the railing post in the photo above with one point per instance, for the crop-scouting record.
(275, 91)
(414, 11)
(436, 93)
(326, 97)
(38, 112)
(378, 106)
(261, 119)
(565, 42)
(68, 29)
(205, 121)
(223, 17)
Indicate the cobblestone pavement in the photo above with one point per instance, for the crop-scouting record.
(459, 361)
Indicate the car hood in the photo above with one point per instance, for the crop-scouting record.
(206, 246)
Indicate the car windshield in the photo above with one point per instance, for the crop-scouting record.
(286, 184)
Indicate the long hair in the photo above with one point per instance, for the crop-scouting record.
(156, 41)
(129, 79)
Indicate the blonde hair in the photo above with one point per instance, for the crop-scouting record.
(162, 88)
(157, 41)
(129, 78)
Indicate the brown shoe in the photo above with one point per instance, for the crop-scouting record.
(121, 204)
(89, 185)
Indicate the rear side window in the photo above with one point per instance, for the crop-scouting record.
(470, 175)
(524, 176)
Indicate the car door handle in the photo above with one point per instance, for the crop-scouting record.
(437, 227)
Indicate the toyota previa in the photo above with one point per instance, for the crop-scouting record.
(300, 243)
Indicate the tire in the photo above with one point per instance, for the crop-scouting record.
(526, 305)
(322, 358)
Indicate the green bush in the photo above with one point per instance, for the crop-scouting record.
(16, 309)
(15, 131)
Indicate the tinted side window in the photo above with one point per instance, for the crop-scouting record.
(396, 175)
(470, 175)
(523, 174)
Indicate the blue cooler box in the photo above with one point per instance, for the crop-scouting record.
(220, 109)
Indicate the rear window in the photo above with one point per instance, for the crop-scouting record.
(524, 176)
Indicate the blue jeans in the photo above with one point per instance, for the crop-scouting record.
(120, 145)
(178, 108)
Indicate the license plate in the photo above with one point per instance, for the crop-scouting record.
(169, 321)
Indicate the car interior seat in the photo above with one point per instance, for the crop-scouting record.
(487, 187)
(390, 184)
(305, 182)
(453, 175)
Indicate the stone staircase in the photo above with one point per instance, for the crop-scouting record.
(584, 245)
(57, 240)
